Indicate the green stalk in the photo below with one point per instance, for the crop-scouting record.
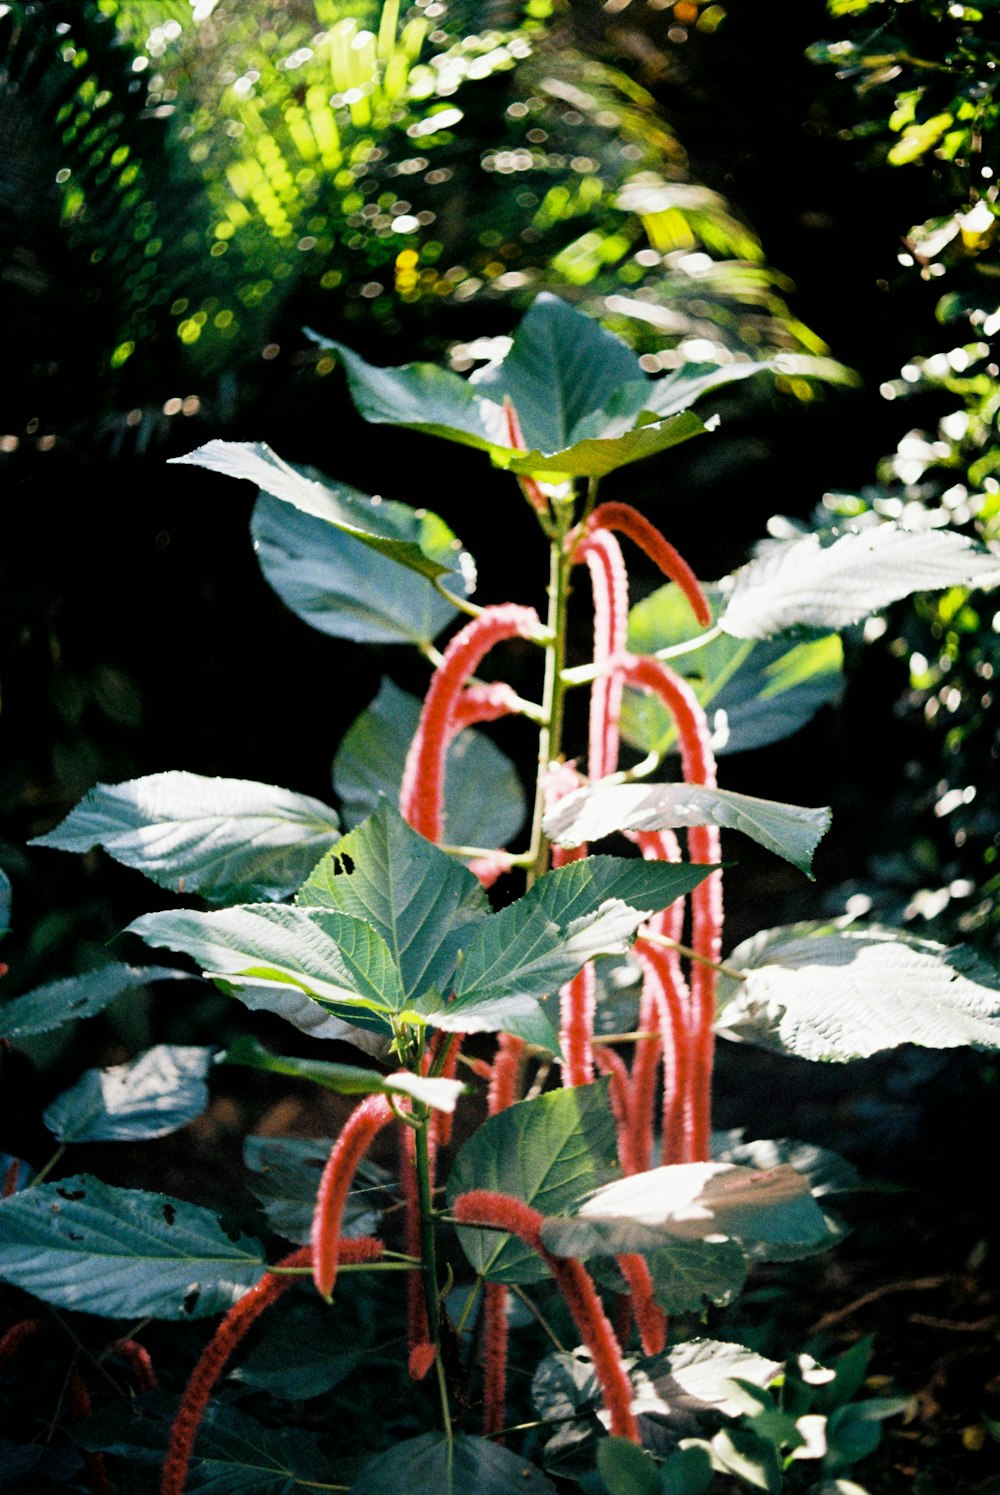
(553, 692)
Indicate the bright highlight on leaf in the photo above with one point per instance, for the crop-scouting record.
(156, 1094)
(805, 584)
(227, 839)
(790, 831)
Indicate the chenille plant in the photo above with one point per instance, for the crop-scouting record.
(576, 1025)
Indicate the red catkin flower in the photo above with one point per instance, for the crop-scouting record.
(649, 1316)
(361, 1127)
(442, 1121)
(505, 1073)
(698, 764)
(489, 868)
(227, 1336)
(609, 585)
(628, 521)
(613, 1065)
(515, 438)
(137, 1358)
(11, 1178)
(16, 1336)
(78, 1400)
(502, 1212)
(495, 1335)
(417, 1327)
(421, 798)
(483, 703)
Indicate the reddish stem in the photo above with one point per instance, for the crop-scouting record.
(628, 521)
(227, 1336)
(361, 1127)
(422, 1349)
(421, 798)
(502, 1212)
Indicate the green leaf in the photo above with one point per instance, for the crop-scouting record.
(424, 904)
(686, 1274)
(347, 1079)
(688, 1471)
(122, 1253)
(696, 1376)
(287, 1177)
(587, 908)
(5, 898)
(801, 583)
(547, 1152)
(825, 1170)
(770, 1210)
(599, 810)
(627, 1469)
(412, 538)
(513, 1012)
(822, 992)
(854, 1431)
(59, 1002)
(578, 390)
(484, 801)
(753, 1461)
(340, 586)
(298, 1355)
(336, 960)
(562, 366)
(236, 1455)
(228, 839)
(755, 692)
(681, 388)
(152, 1096)
(426, 1466)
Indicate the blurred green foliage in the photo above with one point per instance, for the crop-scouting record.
(209, 177)
(925, 78)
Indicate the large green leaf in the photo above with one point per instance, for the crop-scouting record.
(763, 1209)
(287, 1173)
(413, 538)
(512, 1012)
(227, 839)
(686, 1274)
(425, 905)
(339, 585)
(547, 1152)
(695, 1376)
(347, 1079)
(152, 1096)
(59, 1002)
(754, 691)
(483, 798)
(299, 1354)
(122, 1253)
(681, 388)
(825, 1170)
(578, 390)
(336, 960)
(589, 814)
(428, 1465)
(822, 992)
(801, 583)
(590, 907)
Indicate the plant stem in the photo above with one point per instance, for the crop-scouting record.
(47, 1168)
(714, 965)
(428, 1253)
(550, 736)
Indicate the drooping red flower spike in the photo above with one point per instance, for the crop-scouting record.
(139, 1361)
(649, 1316)
(11, 1178)
(422, 1348)
(220, 1347)
(628, 521)
(502, 1212)
(515, 438)
(357, 1134)
(421, 798)
(505, 1072)
(609, 586)
(17, 1335)
(495, 1339)
(80, 1407)
(698, 765)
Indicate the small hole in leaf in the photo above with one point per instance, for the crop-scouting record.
(75, 1235)
(191, 1299)
(72, 1193)
(346, 863)
(169, 1214)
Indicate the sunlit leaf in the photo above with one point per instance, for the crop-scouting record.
(754, 691)
(547, 1151)
(122, 1253)
(59, 1002)
(591, 813)
(483, 797)
(410, 537)
(821, 992)
(802, 583)
(160, 1091)
(227, 839)
(764, 1209)
(425, 905)
(695, 1376)
(347, 1079)
(336, 960)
